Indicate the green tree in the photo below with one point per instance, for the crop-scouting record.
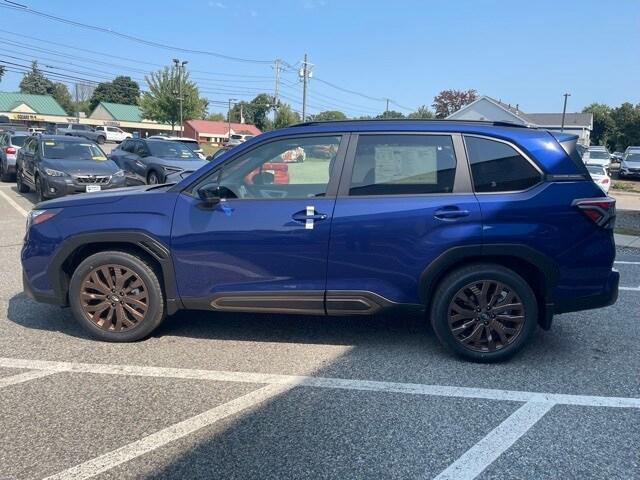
(161, 103)
(450, 101)
(121, 90)
(35, 82)
(422, 112)
(328, 115)
(2, 70)
(63, 97)
(285, 116)
(627, 123)
(255, 111)
(216, 117)
(604, 127)
(390, 114)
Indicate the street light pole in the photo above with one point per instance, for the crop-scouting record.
(229, 118)
(180, 67)
(564, 111)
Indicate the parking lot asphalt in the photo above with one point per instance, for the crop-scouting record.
(268, 396)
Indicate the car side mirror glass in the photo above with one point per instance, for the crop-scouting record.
(209, 193)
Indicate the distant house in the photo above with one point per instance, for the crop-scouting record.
(31, 109)
(128, 117)
(487, 108)
(216, 132)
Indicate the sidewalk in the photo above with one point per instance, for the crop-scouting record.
(626, 240)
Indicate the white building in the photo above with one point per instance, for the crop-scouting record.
(487, 108)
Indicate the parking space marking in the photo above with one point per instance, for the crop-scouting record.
(324, 382)
(167, 435)
(475, 460)
(624, 262)
(24, 377)
(14, 204)
(631, 289)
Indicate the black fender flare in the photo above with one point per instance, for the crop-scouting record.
(146, 242)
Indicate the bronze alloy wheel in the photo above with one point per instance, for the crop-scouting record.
(486, 315)
(114, 298)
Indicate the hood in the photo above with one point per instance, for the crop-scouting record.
(105, 196)
(82, 167)
(184, 164)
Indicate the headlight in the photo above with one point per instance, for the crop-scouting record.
(54, 173)
(37, 217)
(169, 170)
(119, 173)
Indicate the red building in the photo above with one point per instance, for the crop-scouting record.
(206, 131)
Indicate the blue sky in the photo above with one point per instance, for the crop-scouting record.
(522, 52)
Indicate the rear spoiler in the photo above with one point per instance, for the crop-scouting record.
(568, 142)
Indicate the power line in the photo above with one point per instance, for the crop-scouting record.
(27, 9)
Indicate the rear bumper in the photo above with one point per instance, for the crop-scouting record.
(606, 297)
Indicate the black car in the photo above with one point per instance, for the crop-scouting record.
(57, 165)
(155, 161)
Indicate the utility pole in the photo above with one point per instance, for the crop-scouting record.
(276, 89)
(77, 104)
(564, 111)
(180, 67)
(229, 118)
(387, 109)
(305, 74)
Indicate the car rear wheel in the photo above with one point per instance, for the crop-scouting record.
(20, 185)
(5, 176)
(117, 297)
(101, 140)
(484, 312)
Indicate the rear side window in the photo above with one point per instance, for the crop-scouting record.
(498, 167)
(18, 140)
(403, 165)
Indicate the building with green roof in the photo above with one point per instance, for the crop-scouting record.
(29, 107)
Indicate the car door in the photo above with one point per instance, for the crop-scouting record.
(264, 245)
(404, 199)
(28, 159)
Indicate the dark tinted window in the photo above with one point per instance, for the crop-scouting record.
(498, 167)
(18, 140)
(403, 165)
(165, 149)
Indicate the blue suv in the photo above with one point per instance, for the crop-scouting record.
(488, 228)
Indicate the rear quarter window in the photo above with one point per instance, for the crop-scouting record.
(498, 167)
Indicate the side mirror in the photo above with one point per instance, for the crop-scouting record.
(209, 193)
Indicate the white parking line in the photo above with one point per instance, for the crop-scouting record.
(13, 203)
(623, 262)
(162, 437)
(632, 289)
(324, 382)
(473, 462)
(24, 377)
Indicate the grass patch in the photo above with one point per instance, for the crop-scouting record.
(312, 170)
(627, 231)
(209, 149)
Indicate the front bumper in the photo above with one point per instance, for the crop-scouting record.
(630, 172)
(42, 297)
(606, 297)
(61, 186)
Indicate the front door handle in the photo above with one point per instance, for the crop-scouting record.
(450, 213)
(308, 216)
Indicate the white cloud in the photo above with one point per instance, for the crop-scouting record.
(311, 4)
(217, 4)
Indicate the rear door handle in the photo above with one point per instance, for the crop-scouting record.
(450, 213)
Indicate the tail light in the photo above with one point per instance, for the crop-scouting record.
(602, 211)
(10, 150)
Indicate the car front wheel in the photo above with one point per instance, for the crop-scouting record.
(153, 179)
(20, 185)
(117, 297)
(484, 312)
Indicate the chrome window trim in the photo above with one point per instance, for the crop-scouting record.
(517, 149)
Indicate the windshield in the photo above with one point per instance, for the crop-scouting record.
(192, 144)
(164, 149)
(18, 140)
(58, 150)
(595, 170)
(633, 157)
(598, 155)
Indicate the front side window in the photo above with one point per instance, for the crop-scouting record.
(299, 167)
(498, 167)
(403, 165)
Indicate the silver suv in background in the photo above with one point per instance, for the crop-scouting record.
(630, 165)
(10, 143)
(597, 156)
(192, 143)
(79, 130)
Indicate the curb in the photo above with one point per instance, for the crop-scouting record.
(626, 240)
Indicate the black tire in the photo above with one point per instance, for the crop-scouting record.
(4, 175)
(456, 282)
(40, 196)
(153, 178)
(101, 140)
(155, 313)
(20, 185)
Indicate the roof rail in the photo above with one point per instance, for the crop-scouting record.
(415, 120)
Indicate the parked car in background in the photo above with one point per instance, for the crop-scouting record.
(617, 157)
(597, 156)
(581, 149)
(79, 130)
(220, 151)
(113, 134)
(238, 138)
(632, 149)
(600, 177)
(59, 165)
(10, 143)
(190, 142)
(630, 165)
(481, 226)
(146, 161)
(36, 130)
